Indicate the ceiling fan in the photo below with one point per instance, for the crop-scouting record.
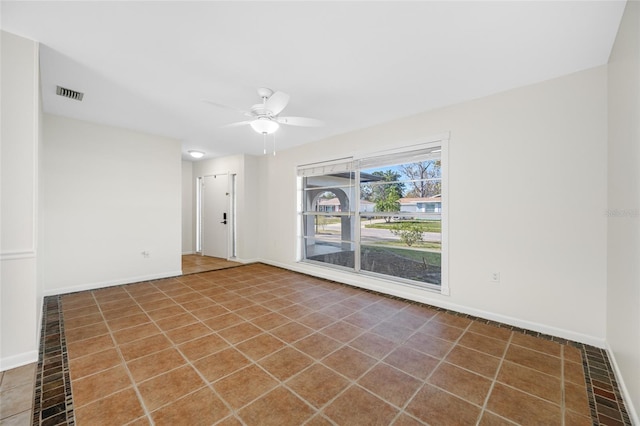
(265, 117)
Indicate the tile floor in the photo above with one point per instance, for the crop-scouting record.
(194, 263)
(258, 345)
(17, 385)
(16, 395)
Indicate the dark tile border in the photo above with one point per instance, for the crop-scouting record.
(605, 400)
(53, 402)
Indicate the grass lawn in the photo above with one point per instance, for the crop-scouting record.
(431, 245)
(431, 258)
(426, 225)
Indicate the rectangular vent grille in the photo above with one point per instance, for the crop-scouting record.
(68, 93)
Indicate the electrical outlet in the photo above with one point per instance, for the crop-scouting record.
(495, 277)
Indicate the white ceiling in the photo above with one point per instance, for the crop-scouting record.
(148, 65)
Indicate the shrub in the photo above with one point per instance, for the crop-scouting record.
(409, 232)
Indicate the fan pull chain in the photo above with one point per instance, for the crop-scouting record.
(274, 144)
(264, 142)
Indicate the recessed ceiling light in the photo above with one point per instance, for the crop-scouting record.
(196, 154)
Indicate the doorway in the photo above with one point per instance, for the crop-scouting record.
(216, 216)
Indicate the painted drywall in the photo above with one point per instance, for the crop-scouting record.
(19, 303)
(247, 212)
(623, 280)
(527, 195)
(111, 194)
(188, 244)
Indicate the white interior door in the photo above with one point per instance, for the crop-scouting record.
(215, 216)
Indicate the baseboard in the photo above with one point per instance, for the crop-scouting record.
(382, 286)
(628, 402)
(185, 253)
(246, 261)
(111, 283)
(19, 360)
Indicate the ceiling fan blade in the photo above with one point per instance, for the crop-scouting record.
(300, 121)
(241, 111)
(277, 102)
(238, 124)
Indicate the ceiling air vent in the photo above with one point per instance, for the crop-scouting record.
(68, 93)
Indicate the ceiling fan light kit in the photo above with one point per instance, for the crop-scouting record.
(264, 125)
(196, 154)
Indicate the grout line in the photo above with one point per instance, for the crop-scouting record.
(175, 346)
(124, 363)
(495, 377)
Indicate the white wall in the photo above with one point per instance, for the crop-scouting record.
(188, 199)
(110, 194)
(248, 215)
(623, 288)
(19, 292)
(527, 199)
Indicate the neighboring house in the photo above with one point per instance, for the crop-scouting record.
(407, 205)
(333, 205)
(421, 204)
(329, 205)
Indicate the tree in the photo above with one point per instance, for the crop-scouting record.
(395, 186)
(418, 173)
(387, 196)
(388, 203)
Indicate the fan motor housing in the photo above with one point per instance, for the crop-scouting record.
(259, 110)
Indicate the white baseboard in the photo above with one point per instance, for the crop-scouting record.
(245, 261)
(628, 402)
(185, 253)
(110, 283)
(19, 360)
(383, 286)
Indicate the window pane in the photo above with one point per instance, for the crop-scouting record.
(403, 247)
(400, 213)
(339, 180)
(328, 218)
(332, 251)
(415, 265)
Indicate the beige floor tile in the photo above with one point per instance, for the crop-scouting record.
(16, 399)
(18, 376)
(20, 419)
